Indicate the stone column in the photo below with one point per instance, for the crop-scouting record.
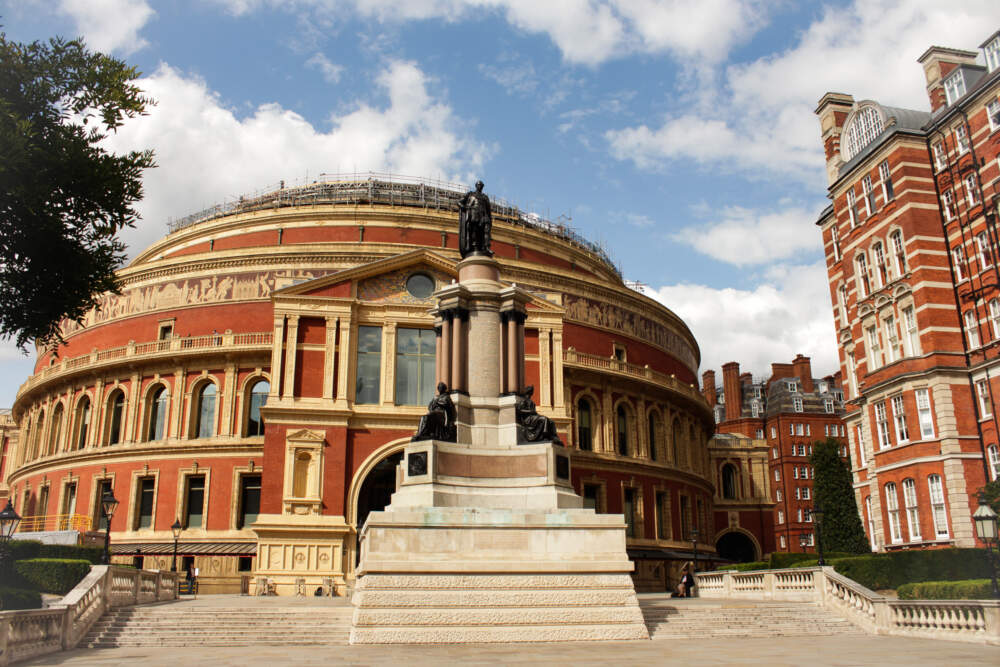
(344, 362)
(438, 359)
(288, 388)
(444, 358)
(276, 355)
(544, 369)
(329, 357)
(177, 412)
(228, 398)
(513, 377)
(558, 392)
(132, 415)
(388, 363)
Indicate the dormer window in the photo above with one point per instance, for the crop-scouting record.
(954, 87)
(792, 385)
(861, 130)
(992, 53)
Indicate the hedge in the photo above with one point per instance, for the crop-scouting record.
(71, 551)
(743, 567)
(53, 575)
(970, 589)
(896, 568)
(19, 598)
(24, 549)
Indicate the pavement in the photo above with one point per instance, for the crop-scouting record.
(833, 650)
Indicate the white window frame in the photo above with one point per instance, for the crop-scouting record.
(862, 459)
(940, 157)
(806, 493)
(881, 267)
(891, 339)
(948, 205)
(871, 523)
(781, 517)
(993, 114)
(797, 404)
(835, 237)
(882, 426)
(962, 139)
(985, 252)
(983, 396)
(938, 511)
(874, 352)
(778, 495)
(774, 432)
(971, 328)
(912, 514)
(991, 52)
(842, 304)
(898, 252)
(892, 510)
(760, 434)
(995, 318)
(958, 253)
(971, 190)
(798, 493)
(912, 334)
(866, 194)
(852, 374)
(777, 475)
(800, 429)
(993, 461)
(852, 207)
(899, 420)
(864, 274)
(795, 472)
(798, 514)
(924, 414)
(954, 87)
(885, 176)
(828, 408)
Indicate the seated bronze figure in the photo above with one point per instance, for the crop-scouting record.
(535, 427)
(439, 422)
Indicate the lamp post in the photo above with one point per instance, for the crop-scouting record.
(108, 505)
(694, 547)
(176, 529)
(9, 519)
(817, 513)
(986, 529)
(803, 541)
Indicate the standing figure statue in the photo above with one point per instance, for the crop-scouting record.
(475, 223)
(536, 427)
(439, 422)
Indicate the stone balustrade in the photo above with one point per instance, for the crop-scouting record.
(573, 357)
(955, 620)
(33, 632)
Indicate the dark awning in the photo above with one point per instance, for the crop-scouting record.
(184, 548)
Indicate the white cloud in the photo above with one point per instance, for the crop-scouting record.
(109, 25)
(762, 117)
(331, 71)
(635, 219)
(787, 313)
(207, 154)
(743, 237)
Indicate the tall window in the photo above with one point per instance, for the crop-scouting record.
(852, 207)
(871, 523)
(937, 506)
(992, 53)
(972, 190)
(591, 497)
(892, 509)
(864, 277)
(898, 252)
(258, 397)
(852, 374)
(940, 159)
(948, 205)
(145, 492)
(584, 428)
(995, 318)
(101, 519)
(729, 481)
(369, 365)
(985, 254)
(912, 335)
(651, 424)
(662, 515)
(629, 511)
(415, 354)
(685, 517)
(972, 328)
(82, 422)
(157, 414)
(828, 408)
(962, 138)
(194, 501)
(886, 177)
(797, 404)
(116, 410)
(959, 256)
(842, 304)
(954, 88)
(869, 195)
(835, 235)
(55, 429)
(204, 417)
(993, 113)
(993, 457)
(899, 418)
(891, 339)
(622, 421)
(874, 353)
(249, 500)
(912, 515)
(882, 426)
(881, 268)
(924, 414)
(985, 403)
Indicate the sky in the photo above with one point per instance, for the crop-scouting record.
(680, 134)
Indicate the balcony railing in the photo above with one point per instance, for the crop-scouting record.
(45, 522)
(572, 357)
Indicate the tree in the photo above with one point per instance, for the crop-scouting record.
(833, 491)
(63, 197)
(991, 494)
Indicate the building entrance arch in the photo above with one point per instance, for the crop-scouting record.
(372, 487)
(736, 546)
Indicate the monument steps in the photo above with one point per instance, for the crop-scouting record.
(685, 620)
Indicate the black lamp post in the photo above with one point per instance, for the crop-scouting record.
(803, 541)
(108, 505)
(176, 528)
(817, 514)
(694, 547)
(9, 520)
(986, 529)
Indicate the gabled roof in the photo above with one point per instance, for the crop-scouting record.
(420, 257)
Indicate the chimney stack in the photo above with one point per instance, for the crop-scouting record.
(939, 62)
(803, 371)
(731, 390)
(833, 109)
(708, 387)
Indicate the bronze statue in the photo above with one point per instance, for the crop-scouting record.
(439, 422)
(475, 223)
(536, 427)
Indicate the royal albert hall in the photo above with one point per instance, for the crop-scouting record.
(265, 363)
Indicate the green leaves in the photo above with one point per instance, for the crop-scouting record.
(63, 197)
(833, 491)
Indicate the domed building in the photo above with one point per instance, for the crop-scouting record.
(264, 365)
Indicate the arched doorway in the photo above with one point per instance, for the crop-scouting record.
(377, 489)
(736, 547)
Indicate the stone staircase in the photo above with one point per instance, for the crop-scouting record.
(693, 618)
(176, 624)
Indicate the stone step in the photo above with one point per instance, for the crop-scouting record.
(477, 616)
(496, 634)
(399, 599)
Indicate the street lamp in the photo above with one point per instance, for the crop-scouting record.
(986, 529)
(108, 505)
(176, 528)
(817, 513)
(803, 541)
(9, 519)
(694, 546)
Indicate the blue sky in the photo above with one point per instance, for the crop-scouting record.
(678, 133)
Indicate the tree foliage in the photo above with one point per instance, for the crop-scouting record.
(63, 197)
(991, 494)
(834, 493)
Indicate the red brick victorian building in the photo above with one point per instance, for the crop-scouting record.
(264, 366)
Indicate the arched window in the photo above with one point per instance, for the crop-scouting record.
(36, 440)
(864, 276)
(584, 430)
(156, 425)
(729, 481)
(257, 398)
(898, 252)
(693, 451)
(881, 268)
(653, 445)
(675, 442)
(204, 415)
(82, 422)
(622, 421)
(861, 131)
(55, 429)
(116, 410)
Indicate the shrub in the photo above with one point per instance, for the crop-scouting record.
(744, 567)
(53, 575)
(71, 551)
(970, 589)
(896, 568)
(19, 598)
(782, 560)
(24, 549)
